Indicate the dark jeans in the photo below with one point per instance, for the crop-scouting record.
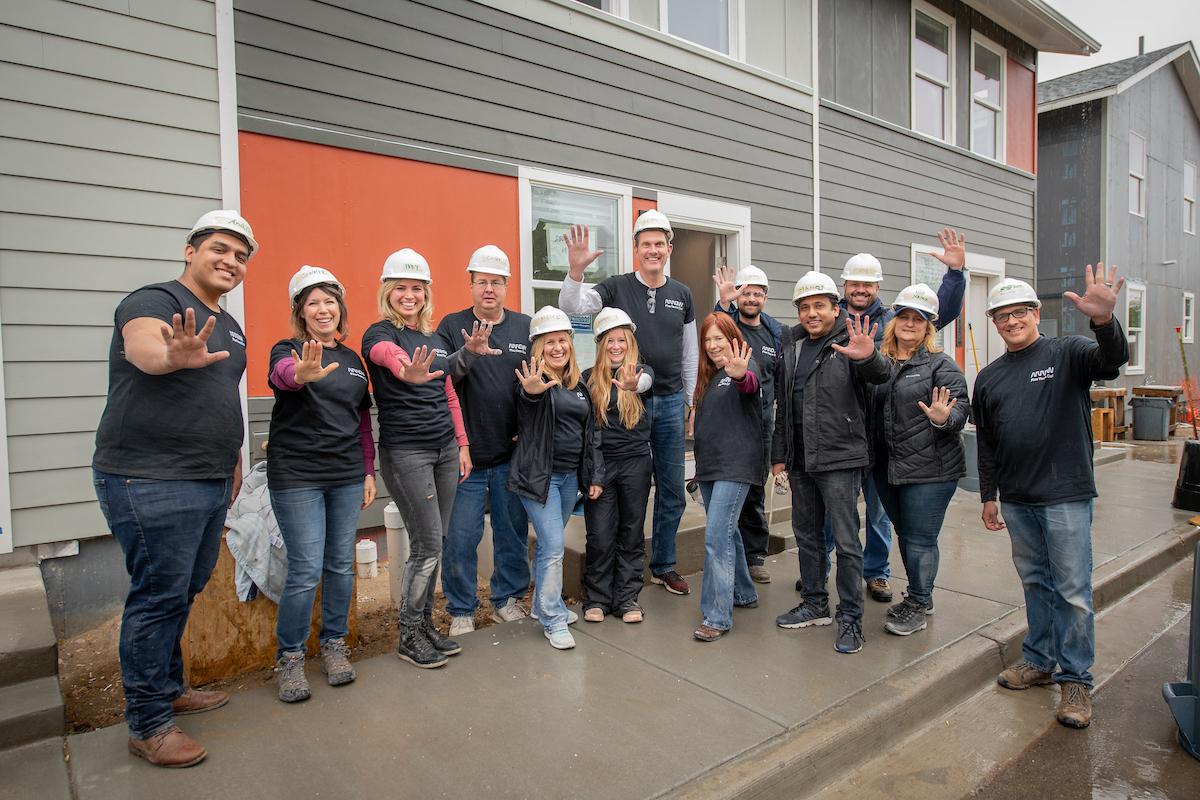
(170, 532)
(616, 542)
(753, 522)
(917, 510)
(666, 413)
(815, 494)
(422, 483)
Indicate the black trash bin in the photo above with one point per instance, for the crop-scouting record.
(1151, 418)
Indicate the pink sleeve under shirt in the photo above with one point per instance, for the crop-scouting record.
(283, 376)
(391, 356)
(748, 384)
(367, 440)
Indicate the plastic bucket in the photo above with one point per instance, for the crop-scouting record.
(1151, 418)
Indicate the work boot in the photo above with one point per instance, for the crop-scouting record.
(1022, 676)
(194, 701)
(171, 748)
(442, 644)
(335, 662)
(880, 590)
(1075, 705)
(759, 573)
(416, 649)
(289, 677)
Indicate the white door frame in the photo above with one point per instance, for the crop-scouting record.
(713, 216)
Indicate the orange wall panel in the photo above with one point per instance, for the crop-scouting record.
(1021, 115)
(347, 210)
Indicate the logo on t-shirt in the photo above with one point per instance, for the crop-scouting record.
(237, 337)
(516, 347)
(580, 395)
(768, 351)
(675, 304)
(356, 372)
(1041, 375)
(440, 352)
(724, 381)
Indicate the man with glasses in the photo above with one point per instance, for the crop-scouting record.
(662, 309)
(1033, 419)
(488, 397)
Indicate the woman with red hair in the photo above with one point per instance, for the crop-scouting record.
(729, 459)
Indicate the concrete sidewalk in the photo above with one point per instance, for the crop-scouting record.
(644, 711)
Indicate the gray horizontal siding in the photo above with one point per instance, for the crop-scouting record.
(109, 149)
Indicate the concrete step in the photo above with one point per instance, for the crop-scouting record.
(37, 770)
(28, 649)
(31, 711)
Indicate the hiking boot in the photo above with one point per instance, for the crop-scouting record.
(1022, 676)
(850, 636)
(194, 701)
(880, 590)
(417, 650)
(443, 644)
(908, 619)
(335, 662)
(171, 748)
(673, 582)
(1075, 705)
(561, 640)
(510, 611)
(461, 625)
(289, 677)
(895, 610)
(804, 616)
(759, 573)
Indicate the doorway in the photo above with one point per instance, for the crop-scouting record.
(694, 260)
(987, 345)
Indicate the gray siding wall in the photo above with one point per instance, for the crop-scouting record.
(109, 150)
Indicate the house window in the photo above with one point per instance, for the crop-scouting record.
(708, 23)
(1188, 323)
(1135, 309)
(1137, 174)
(987, 98)
(933, 72)
(1189, 197)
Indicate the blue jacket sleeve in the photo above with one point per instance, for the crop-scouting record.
(950, 297)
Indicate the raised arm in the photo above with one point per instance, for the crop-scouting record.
(574, 297)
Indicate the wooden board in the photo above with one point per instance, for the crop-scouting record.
(225, 637)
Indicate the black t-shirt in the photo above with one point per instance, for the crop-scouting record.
(660, 315)
(488, 393)
(314, 430)
(571, 409)
(185, 425)
(766, 355)
(411, 416)
(729, 440)
(809, 350)
(617, 441)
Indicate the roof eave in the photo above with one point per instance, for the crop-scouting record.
(1040, 24)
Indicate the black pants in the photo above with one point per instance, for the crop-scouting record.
(815, 494)
(753, 522)
(616, 543)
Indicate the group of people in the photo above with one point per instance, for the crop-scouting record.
(491, 411)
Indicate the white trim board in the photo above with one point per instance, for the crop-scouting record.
(6, 528)
(715, 216)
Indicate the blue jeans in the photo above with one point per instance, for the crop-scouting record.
(318, 524)
(665, 412)
(170, 532)
(510, 542)
(548, 520)
(1052, 551)
(918, 510)
(878, 539)
(726, 575)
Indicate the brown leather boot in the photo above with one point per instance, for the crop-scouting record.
(171, 748)
(194, 701)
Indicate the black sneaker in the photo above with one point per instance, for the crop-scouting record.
(804, 616)
(895, 609)
(417, 650)
(850, 636)
(908, 619)
(443, 644)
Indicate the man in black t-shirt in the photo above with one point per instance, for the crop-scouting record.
(167, 462)
(488, 397)
(662, 309)
(1032, 412)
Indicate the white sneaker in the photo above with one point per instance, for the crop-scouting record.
(572, 617)
(461, 625)
(511, 611)
(561, 640)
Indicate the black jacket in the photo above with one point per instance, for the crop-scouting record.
(837, 432)
(532, 462)
(915, 450)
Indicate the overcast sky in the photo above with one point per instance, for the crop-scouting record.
(1116, 24)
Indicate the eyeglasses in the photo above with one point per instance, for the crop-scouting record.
(1017, 313)
(753, 294)
(651, 300)
(489, 284)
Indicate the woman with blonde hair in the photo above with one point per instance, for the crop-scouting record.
(422, 441)
(616, 544)
(918, 415)
(557, 452)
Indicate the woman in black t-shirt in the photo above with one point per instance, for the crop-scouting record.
(616, 546)
(729, 458)
(321, 473)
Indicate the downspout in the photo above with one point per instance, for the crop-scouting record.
(816, 137)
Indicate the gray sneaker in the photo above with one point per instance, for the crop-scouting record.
(461, 625)
(335, 662)
(289, 677)
(895, 609)
(908, 619)
(511, 611)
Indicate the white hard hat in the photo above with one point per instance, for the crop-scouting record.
(653, 220)
(308, 276)
(919, 298)
(1011, 292)
(814, 283)
(489, 259)
(610, 318)
(225, 220)
(751, 275)
(406, 263)
(863, 267)
(548, 319)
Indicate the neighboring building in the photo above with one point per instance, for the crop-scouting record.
(1118, 147)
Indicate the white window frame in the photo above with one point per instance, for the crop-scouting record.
(1188, 320)
(526, 177)
(737, 28)
(1140, 288)
(1189, 200)
(1138, 171)
(1001, 137)
(948, 21)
